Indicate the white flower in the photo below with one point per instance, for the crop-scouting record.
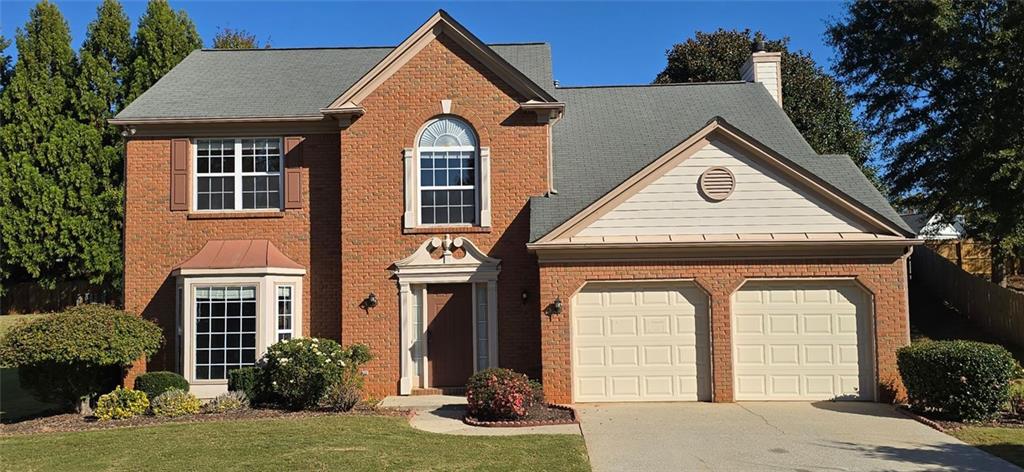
(328, 361)
(341, 363)
(274, 383)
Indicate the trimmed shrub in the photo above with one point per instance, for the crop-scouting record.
(121, 404)
(965, 379)
(155, 383)
(1016, 397)
(72, 356)
(498, 394)
(175, 402)
(226, 402)
(300, 371)
(250, 381)
(342, 396)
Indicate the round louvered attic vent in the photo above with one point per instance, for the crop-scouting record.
(717, 183)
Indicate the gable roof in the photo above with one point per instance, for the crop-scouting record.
(282, 83)
(439, 23)
(608, 134)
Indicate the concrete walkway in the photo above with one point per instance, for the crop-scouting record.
(443, 414)
(771, 437)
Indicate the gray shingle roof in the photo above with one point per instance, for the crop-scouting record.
(609, 133)
(284, 82)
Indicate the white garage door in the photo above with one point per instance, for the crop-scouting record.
(802, 341)
(640, 342)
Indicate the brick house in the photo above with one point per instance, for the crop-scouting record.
(445, 203)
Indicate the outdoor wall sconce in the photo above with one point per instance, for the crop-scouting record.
(369, 302)
(555, 308)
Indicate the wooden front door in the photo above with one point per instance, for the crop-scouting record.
(449, 334)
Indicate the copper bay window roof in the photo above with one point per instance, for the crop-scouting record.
(238, 254)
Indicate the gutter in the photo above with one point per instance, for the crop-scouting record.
(534, 247)
(215, 119)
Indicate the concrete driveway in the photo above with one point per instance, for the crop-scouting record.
(770, 436)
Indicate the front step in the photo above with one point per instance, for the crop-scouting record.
(439, 391)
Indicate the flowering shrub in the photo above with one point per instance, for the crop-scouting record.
(499, 394)
(225, 402)
(175, 402)
(121, 404)
(300, 371)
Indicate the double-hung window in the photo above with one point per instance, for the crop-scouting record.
(285, 312)
(448, 173)
(238, 174)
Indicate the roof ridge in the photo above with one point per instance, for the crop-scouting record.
(315, 48)
(677, 84)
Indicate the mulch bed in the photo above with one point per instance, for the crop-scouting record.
(72, 422)
(539, 414)
(943, 423)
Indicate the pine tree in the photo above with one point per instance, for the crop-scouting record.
(60, 210)
(164, 37)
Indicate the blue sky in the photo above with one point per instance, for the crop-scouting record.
(592, 43)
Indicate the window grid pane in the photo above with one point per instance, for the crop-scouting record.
(448, 187)
(254, 162)
(284, 313)
(261, 157)
(225, 336)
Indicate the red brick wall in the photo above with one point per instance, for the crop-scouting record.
(372, 235)
(884, 279)
(157, 239)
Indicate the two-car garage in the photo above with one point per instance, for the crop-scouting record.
(790, 340)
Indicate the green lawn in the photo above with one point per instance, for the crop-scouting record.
(1007, 443)
(318, 443)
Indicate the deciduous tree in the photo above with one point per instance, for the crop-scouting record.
(229, 38)
(942, 85)
(815, 101)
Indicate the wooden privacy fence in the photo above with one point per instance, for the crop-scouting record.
(30, 297)
(997, 310)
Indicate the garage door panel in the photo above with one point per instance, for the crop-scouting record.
(816, 342)
(648, 347)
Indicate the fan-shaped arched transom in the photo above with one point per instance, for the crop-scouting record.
(447, 132)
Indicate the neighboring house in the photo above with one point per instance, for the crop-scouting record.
(950, 241)
(445, 203)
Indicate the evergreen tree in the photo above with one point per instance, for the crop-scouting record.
(60, 210)
(815, 101)
(103, 59)
(5, 63)
(164, 37)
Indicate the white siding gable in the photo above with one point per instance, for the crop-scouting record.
(763, 202)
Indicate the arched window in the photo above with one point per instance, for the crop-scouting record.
(448, 173)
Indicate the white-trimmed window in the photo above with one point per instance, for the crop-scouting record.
(237, 174)
(448, 173)
(285, 312)
(225, 329)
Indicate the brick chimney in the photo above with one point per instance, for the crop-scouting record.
(766, 68)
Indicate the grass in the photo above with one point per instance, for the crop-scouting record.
(1007, 443)
(351, 443)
